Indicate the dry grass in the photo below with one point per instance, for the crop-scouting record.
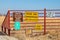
(1, 19)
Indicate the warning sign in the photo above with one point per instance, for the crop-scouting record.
(31, 16)
(38, 27)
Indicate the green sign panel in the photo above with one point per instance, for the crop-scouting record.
(17, 25)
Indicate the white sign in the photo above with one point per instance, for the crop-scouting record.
(51, 14)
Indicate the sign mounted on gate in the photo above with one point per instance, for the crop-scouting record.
(50, 14)
(31, 16)
(17, 25)
(38, 27)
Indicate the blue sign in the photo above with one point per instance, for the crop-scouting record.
(17, 25)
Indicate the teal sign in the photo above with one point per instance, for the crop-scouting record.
(17, 25)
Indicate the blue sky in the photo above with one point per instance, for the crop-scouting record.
(28, 4)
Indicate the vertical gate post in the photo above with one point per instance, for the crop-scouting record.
(9, 22)
(2, 28)
(45, 21)
(9, 32)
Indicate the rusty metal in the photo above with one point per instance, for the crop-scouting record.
(44, 21)
(9, 22)
(4, 30)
